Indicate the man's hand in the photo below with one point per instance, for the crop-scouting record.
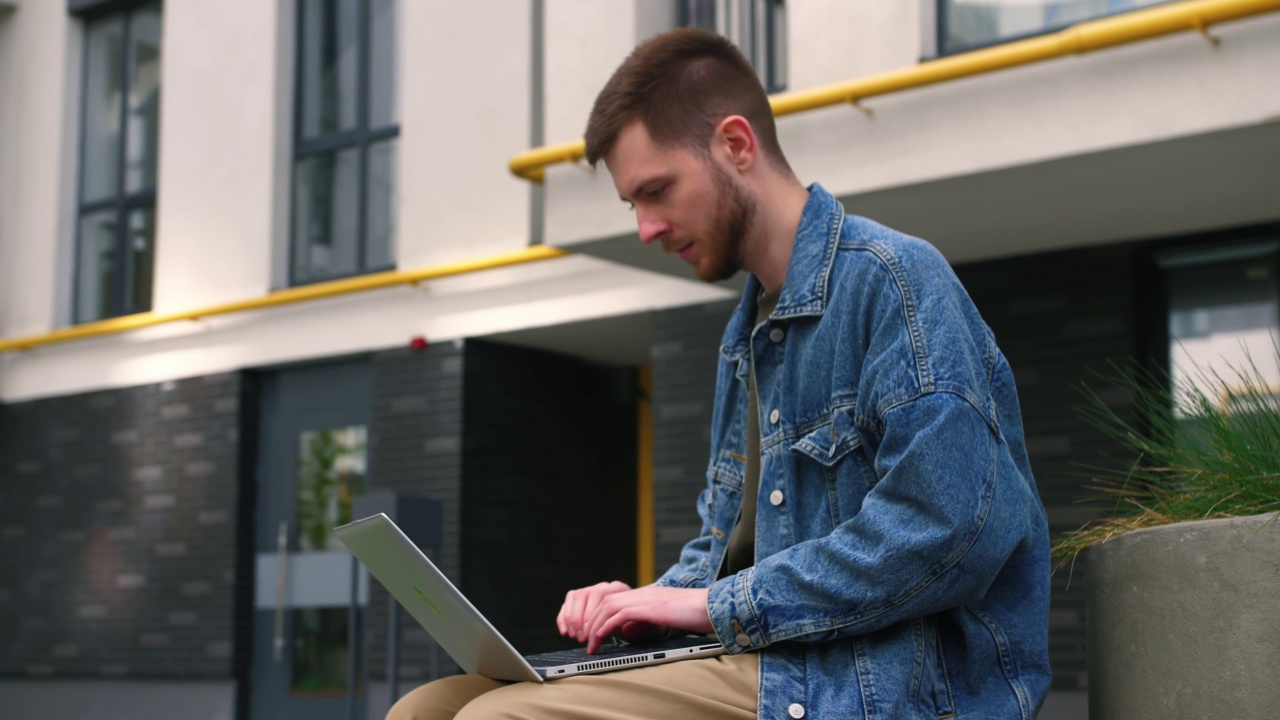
(591, 614)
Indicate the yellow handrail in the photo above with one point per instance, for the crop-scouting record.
(1084, 37)
(287, 296)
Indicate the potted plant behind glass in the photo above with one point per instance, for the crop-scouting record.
(1183, 602)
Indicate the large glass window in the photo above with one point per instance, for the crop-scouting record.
(119, 139)
(1224, 317)
(757, 27)
(346, 127)
(968, 24)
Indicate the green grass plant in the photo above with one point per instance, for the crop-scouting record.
(1207, 449)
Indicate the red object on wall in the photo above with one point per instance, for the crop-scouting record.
(418, 343)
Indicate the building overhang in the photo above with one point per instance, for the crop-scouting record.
(1223, 179)
(1227, 178)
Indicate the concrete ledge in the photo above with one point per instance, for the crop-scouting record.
(1183, 621)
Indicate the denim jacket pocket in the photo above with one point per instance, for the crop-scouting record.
(830, 442)
(935, 681)
(828, 451)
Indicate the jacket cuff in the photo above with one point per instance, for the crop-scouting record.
(677, 577)
(732, 615)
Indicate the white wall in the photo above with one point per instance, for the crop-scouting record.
(585, 41)
(8, 147)
(465, 104)
(834, 40)
(217, 167)
(36, 223)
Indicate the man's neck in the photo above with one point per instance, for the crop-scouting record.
(780, 204)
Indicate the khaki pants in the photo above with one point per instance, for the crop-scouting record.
(720, 687)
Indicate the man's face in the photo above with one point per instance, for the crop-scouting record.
(684, 200)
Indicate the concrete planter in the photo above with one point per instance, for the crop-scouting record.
(1184, 622)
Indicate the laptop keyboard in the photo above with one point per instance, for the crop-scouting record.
(577, 655)
(606, 652)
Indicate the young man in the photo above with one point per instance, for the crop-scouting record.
(872, 542)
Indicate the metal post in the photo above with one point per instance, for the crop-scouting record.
(353, 640)
(537, 121)
(393, 648)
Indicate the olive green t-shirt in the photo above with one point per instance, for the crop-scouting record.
(741, 553)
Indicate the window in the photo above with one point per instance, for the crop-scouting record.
(969, 24)
(757, 27)
(1224, 314)
(346, 124)
(119, 138)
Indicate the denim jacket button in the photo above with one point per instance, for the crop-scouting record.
(742, 639)
(777, 334)
(773, 416)
(775, 498)
(795, 710)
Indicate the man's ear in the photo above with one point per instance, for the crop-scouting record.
(735, 138)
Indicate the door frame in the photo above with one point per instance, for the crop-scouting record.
(270, 394)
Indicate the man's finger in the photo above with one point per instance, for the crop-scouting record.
(613, 622)
(580, 606)
(571, 613)
(609, 608)
(592, 605)
(562, 619)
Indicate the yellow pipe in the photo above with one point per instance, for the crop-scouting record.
(287, 296)
(530, 163)
(1084, 37)
(644, 480)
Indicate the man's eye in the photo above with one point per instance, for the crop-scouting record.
(657, 192)
(631, 206)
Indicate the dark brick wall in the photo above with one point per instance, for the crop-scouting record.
(685, 346)
(415, 446)
(118, 514)
(532, 455)
(549, 467)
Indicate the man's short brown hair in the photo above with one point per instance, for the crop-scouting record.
(681, 84)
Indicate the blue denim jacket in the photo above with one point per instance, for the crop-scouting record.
(902, 566)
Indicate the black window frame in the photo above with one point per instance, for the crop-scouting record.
(771, 76)
(122, 201)
(360, 138)
(940, 30)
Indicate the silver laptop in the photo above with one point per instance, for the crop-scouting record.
(466, 635)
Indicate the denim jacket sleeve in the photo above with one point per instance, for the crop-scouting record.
(693, 568)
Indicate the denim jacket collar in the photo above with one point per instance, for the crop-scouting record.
(804, 292)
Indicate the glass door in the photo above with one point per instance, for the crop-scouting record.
(309, 599)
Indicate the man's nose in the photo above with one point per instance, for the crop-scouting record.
(651, 229)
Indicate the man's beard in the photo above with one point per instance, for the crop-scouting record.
(722, 248)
